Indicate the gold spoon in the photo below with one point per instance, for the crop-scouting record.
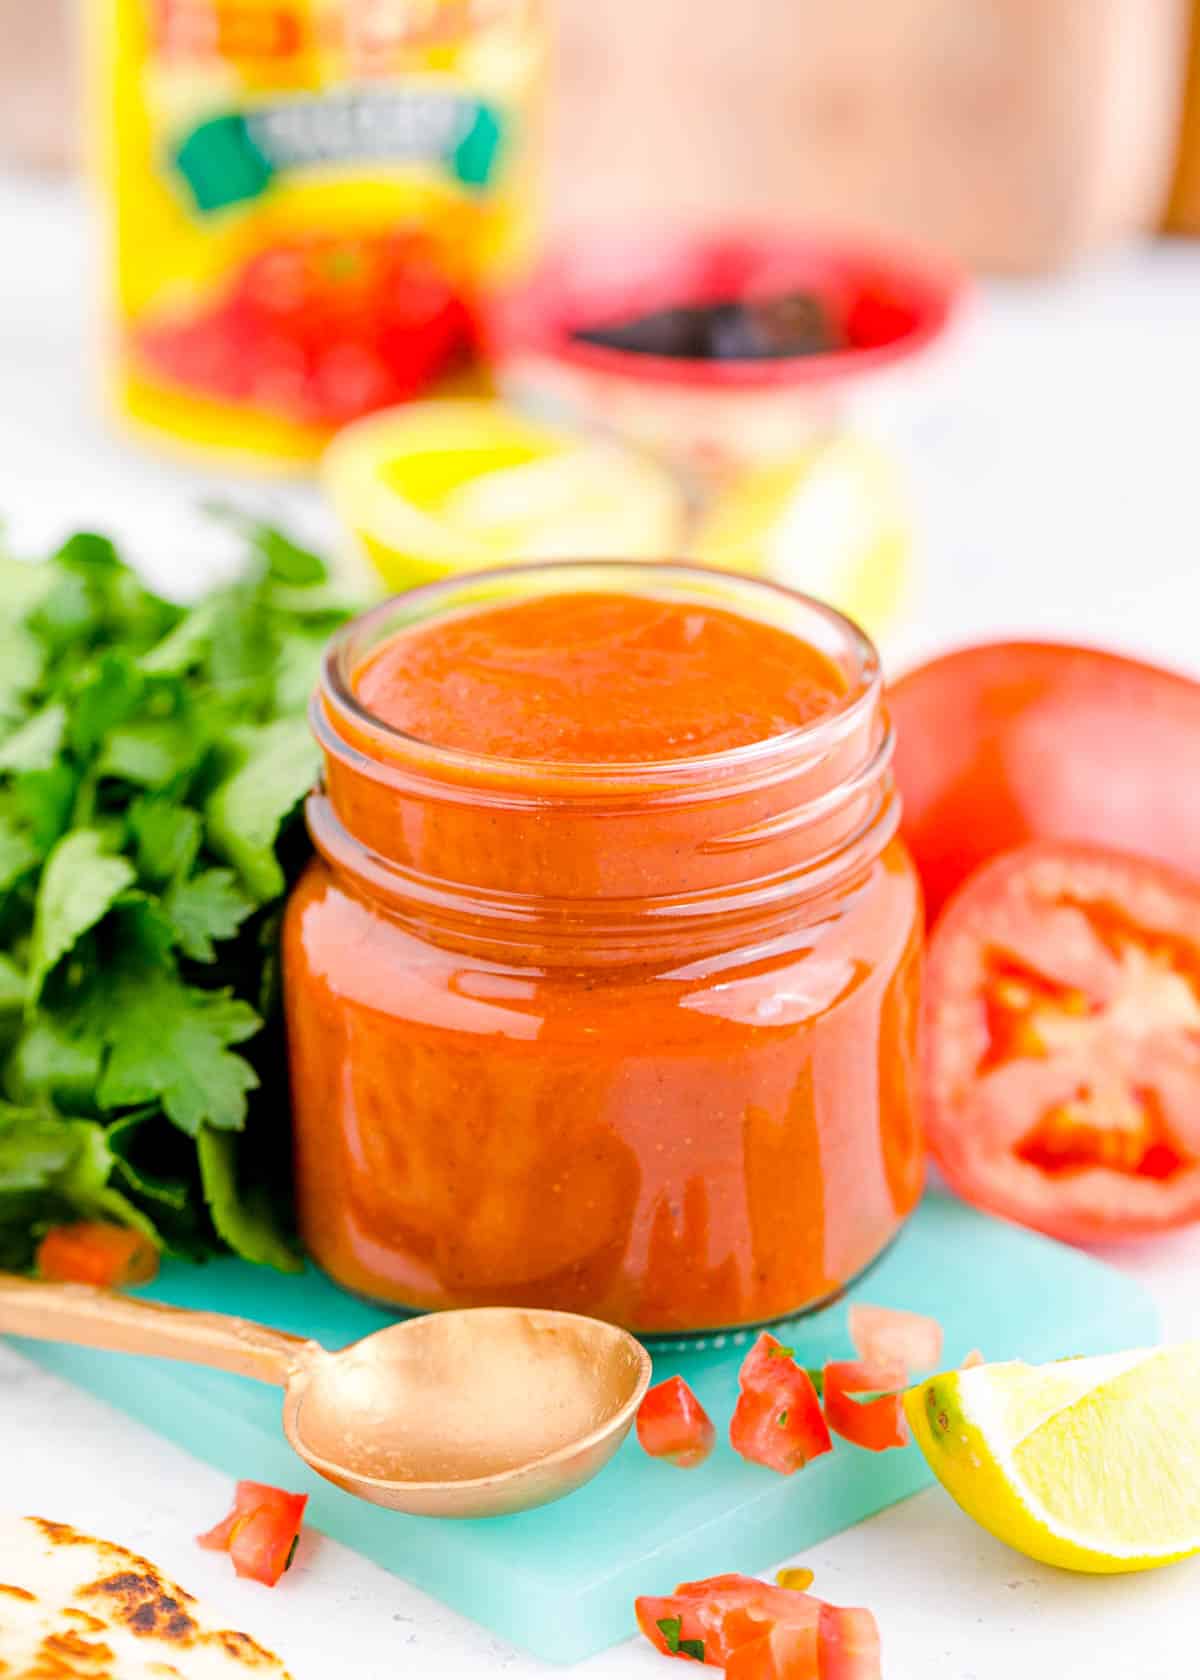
(456, 1414)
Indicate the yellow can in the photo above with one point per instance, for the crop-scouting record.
(305, 202)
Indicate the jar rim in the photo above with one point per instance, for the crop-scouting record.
(734, 592)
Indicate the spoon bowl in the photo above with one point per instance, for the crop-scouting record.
(474, 1413)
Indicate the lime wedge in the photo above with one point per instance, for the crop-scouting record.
(1090, 1464)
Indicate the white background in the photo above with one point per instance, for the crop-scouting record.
(1056, 458)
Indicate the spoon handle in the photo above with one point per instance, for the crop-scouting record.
(75, 1312)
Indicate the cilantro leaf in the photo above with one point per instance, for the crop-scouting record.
(170, 1042)
(670, 1627)
(80, 882)
(151, 752)
(18, 854)
(274, 768)
(36, 744)
(209, 906)
(167, 838)
(249, 1231)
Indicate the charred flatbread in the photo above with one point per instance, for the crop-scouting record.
(76, 1608)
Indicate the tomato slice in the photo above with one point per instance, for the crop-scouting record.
(1006, 743)
(786, 1653)
(96, 1252)
(877, 1423)
(778, 1420)
(672, 1424)
(1062, 1054)
(261, 1531)
(890, 1336)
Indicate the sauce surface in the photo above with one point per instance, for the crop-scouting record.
(598, 679)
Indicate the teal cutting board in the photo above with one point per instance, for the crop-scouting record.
(561, 1581)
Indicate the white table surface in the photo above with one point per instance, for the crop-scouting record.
(1058, 475)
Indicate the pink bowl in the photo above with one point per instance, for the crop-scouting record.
(710, 416)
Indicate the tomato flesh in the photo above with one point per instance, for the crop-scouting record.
(96, 1252)
(876, 1424)
(672, 1424)
(786, 1653)
(1062, 1053)
(890, 1336)
(778, 1420)
(261, 1531)
(850, 1647)
(1001, 744)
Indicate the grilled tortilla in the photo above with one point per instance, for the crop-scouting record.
(76, 1608)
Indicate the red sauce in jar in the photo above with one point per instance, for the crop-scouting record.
(602, 988)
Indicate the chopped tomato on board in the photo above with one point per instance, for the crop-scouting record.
(876, 1423)
(777, 1421)
(1062, 1048)
(889, 1336)
(96, 1252)
(672, 1424)
(1009, 742)
(261, 1532)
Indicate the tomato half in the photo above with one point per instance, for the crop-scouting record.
(96, 1252)
(1017, 741)
(890, 1336)
(777, 1420)
(1062, 1050)
(261, 1531)
(672, 1424)
(877, 1423)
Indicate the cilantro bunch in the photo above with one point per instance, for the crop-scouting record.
(153, 759)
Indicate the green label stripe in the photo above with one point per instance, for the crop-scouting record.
(234, 157)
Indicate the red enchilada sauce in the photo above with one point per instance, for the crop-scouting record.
(602, 988)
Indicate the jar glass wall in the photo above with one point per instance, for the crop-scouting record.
(632, 1040)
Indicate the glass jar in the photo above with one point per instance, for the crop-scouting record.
(631, 1040)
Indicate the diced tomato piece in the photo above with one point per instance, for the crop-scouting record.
(1062, 1044)
(786, 1653)
(95, 1252)
(261, 1531)
(876, 1424)
(889, 1336)
(777, 1421)
(758, 1632)
(850, 1648)
(709, 1620)
(672, 1424)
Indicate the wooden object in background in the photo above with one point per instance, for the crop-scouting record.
(38, 83)
(1013, 135)
(1183, 212)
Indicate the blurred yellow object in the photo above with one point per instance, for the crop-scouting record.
(832, 521)
(440, 487)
